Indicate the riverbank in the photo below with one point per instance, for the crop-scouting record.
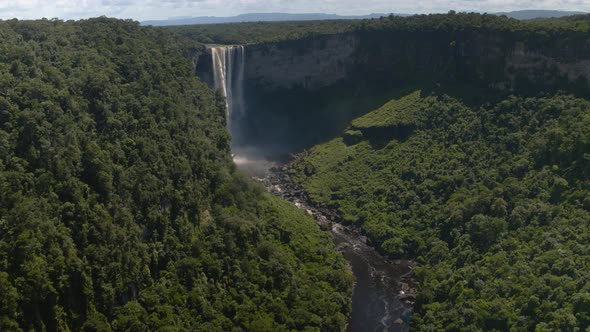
(384, 291)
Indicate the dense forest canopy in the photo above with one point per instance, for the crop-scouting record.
(261, 32)
(120, 208)
(494, 201)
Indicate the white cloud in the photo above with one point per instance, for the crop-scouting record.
(160, 9)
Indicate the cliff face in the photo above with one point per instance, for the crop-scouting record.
(301, 92)
(495, 58)
(569, 60)
(311, 63)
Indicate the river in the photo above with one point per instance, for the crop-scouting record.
(382, 298)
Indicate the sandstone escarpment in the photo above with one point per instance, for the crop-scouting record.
(301, 92)
(495, 58)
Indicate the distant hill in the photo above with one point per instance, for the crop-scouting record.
(258, 17)
(532, 14)
(282, 17)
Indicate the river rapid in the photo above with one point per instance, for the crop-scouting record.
(383, 293)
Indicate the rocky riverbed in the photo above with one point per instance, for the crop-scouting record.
(384, 292)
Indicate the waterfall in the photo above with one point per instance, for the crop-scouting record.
(228, 75)
(228, 79)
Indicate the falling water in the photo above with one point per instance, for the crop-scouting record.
(228, 75)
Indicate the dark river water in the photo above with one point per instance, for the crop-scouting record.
(376, 305)
(382, 296)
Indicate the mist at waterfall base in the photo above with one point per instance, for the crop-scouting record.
(375, 302)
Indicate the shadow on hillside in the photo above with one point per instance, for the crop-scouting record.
(287, 121)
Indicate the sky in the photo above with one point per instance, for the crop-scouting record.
(163, 9)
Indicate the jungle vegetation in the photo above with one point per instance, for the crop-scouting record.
(120, 206)
(121, 209)
(493, 201)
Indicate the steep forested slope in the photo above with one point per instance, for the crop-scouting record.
(119, 205)
(493, 200)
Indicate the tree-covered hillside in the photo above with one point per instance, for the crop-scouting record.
(492, 200)
(120, 208)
